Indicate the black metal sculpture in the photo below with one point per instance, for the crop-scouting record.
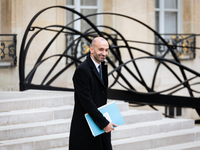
(127, 92)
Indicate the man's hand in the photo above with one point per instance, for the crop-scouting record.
(110, 127)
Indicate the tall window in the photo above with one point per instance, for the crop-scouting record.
(85, 7)
(168, 16)
(168, 21)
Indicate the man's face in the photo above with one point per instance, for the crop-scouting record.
(99, 51)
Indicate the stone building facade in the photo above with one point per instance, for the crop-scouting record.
(16, 14)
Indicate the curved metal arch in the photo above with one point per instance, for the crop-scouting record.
(26, 83)
(153, 55)
(23, 54)
(46, 48)
(42, 61)
(161, 59)
(184, 87)
(160, 37)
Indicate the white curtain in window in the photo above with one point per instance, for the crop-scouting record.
(171, 4)
(170, 22)
(85, 7)
(93, 19)
(157, 21)
(70, 2)
(88, 2)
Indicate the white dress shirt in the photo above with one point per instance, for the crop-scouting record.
(96, 64)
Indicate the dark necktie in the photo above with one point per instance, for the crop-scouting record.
(100, 73)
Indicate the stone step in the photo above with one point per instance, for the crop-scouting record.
(136, 116)
(184, 123)
(45, 114)
(40, 100)
(41, 120)
(35, 115)
(34, 101)
(6, 95)
(60, 140)
(60, 148)
(158, 140)
(185, 146)
(153, 127)
(36, 143)
(63, 125)
(34, 129)
(27, 123)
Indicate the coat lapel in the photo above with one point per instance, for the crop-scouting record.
(96, 72)
(105, 74)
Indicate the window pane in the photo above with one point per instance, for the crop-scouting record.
(70, 18)
(170, 22)
(69, 2)
(157, 3)
(93, 19)
(170, 3)
(157, 21)
(89, 2)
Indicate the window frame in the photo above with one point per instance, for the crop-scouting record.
(162, 11)
(77, 6)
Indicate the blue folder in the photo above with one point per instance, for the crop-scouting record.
(111, 113)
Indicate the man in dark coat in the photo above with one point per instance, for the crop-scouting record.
(91, 93)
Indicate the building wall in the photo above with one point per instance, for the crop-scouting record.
(16, 14)
(144, 11)
(15, 17)
(191, 24)
(8, 76)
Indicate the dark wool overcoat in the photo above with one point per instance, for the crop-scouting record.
(90, 93)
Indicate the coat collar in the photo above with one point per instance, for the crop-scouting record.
(91, 62)
(94, 69)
